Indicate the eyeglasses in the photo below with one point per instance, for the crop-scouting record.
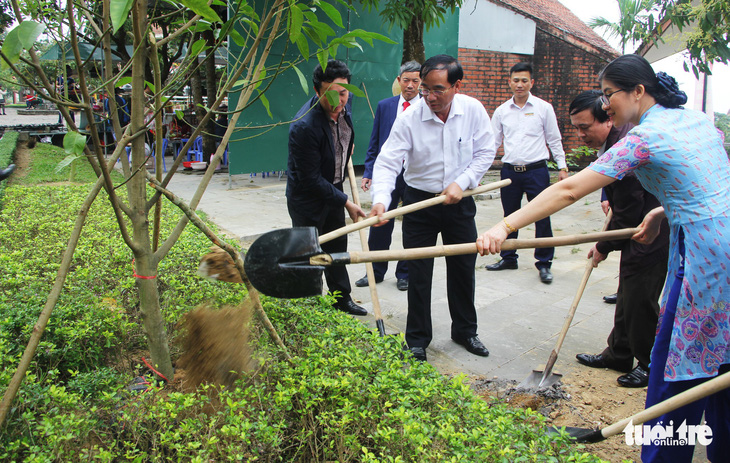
(606, 99)
(425, 92)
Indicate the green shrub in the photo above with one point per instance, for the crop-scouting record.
(7, 151)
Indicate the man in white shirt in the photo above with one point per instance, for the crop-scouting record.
(446, 143)
(409, 81)
(527, 125)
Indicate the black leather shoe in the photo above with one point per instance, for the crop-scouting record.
(502, 265)
(419, 353)
(599, 361)
(362, 282)
(473, 345)
(610, 299)
(5, 173)
(637, 378)
(546, 275)
(402, 284)
(350, 307)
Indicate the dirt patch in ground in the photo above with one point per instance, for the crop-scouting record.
(21, 159)
(587, 398)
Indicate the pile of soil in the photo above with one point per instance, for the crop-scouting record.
(587, 398)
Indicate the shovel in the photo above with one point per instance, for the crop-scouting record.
(680, 400)
(288, 263)
(408, 209)
(365, 247)
(544, 379)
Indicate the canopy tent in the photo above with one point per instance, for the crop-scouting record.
(86, 51)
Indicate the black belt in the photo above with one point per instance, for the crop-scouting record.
(421, 193)
(523, 167)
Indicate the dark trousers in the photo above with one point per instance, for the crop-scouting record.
(637, 312)
(530, 183)
(455, 223)
(716, 408)
(332, 219)
(381, 237)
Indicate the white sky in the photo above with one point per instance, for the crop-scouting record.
(720, 94)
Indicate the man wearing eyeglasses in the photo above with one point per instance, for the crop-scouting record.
(527, 125)
(446, 144)
(409, 81)
(643, 267)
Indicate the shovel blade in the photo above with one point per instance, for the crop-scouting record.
(277, 263)
(535, 381)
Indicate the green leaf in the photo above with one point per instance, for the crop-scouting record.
(322, 56)
(354, 89)
(296, 19)
(119, 12)
(197, 47)
(11, 48)
(331, 12)
(179, 114)
(201, 7)
(123, 81)
(237, 38)
(22, 37)
(303, 46)
(66, 162)
(302, 80)
(333, 97)
(28, 33)
(74, 143)
(265, 102)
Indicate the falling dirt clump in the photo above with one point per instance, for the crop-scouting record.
(215, 345)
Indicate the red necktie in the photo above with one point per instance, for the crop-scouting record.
(406, 104)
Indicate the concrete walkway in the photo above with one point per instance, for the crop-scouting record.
(519, 317)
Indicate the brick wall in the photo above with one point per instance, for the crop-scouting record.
(562, 69)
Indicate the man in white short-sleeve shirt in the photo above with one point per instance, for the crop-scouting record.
(528, 126)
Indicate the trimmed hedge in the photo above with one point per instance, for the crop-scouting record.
(7, 152)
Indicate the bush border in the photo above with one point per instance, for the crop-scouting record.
(8, 145)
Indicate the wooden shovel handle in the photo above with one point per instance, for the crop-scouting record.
(573, 306)
(407, 209)
(470, 248)
(680, 400)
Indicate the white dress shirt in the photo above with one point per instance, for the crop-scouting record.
(436, 153)
(526, 131)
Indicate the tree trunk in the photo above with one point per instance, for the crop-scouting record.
(413, 49)
(211, 89)
(145, 261)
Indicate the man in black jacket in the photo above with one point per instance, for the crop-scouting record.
(321, 139)
(643, 268)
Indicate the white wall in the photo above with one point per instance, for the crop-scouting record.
(486, 26)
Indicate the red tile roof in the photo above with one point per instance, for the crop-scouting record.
(557, 15)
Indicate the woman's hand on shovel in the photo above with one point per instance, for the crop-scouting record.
(378, 210)
(490, 242)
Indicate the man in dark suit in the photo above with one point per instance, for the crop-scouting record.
(320, 144)
(388, 109)
(643, 268)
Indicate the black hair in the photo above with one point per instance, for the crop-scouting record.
(336, 69)
(410, 66)
(628, 71)
(521, 67)
(436, 63)
(590, 99)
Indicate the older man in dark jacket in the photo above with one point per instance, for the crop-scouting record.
(320, 144)
(643, 268)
